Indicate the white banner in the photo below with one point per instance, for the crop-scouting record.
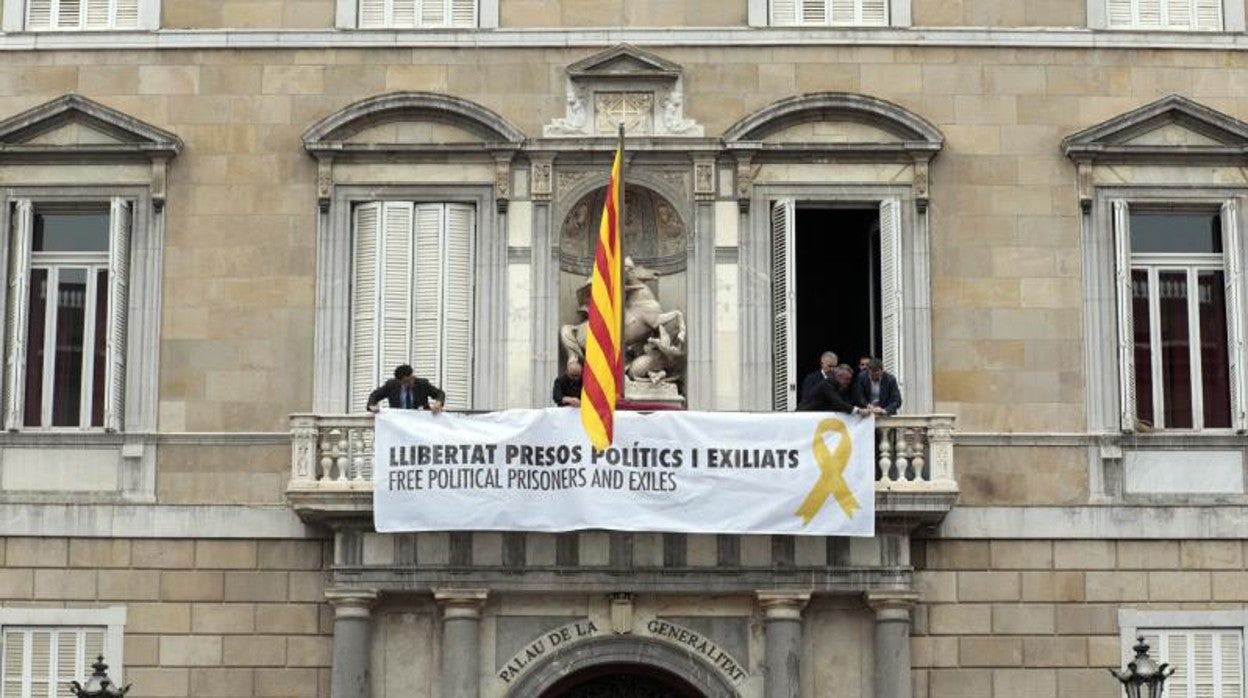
(800, 473)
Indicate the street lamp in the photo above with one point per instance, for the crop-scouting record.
(98, 684)
(1143, 671)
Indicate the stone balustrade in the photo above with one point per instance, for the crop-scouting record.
(334, 453)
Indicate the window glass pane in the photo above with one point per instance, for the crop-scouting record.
(36, 319)
(101, 348)
(1176, 232)
(78, 231)
(1176, 351)
(1214, 362)
(71, 301)
(1140, 293)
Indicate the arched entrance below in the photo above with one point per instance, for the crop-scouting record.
(598, 668)
(622, 681)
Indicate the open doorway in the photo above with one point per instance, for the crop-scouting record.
(619, 680)
(836, 265)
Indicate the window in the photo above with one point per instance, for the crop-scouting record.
(67, 299)
(412, 296)
(410, 14)
(1165, 14)
(75, 15)
(1179, 335)
(829, 12)
(1207, 663)
(43, 649)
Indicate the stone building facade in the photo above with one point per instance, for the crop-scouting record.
(1033, 211)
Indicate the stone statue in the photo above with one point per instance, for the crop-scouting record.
(653, 339)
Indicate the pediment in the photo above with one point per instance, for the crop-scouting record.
(624, 61)
(73, 123)
(1173, 127)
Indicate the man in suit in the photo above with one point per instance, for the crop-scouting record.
(833, 395)
(567, 390)
(407, 392)
(877, 389)
(821, 375)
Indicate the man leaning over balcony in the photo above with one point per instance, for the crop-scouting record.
(877, 389)
(407, 392)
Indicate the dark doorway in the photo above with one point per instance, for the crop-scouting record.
(836, 264)
(623, 681)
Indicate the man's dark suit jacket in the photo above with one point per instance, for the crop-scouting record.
(420, 392)
(890, 392)
(810, 383)
(826, 398)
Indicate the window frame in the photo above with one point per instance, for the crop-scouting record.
(1130, 622)
(111, 618)
(759, 15)
(1232, 19)
(347, 17)
(14, 19)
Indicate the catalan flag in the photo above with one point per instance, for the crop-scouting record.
(602, 375)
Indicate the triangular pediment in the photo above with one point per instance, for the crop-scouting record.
(624, 61)
(1172, 127)
(73, 122)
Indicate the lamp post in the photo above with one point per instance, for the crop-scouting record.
(98, 684)
(1142, 672)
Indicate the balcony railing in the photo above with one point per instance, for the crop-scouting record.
(333, 455)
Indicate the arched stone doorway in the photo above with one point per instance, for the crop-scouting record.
(655, 241)
(622, 681)
(595, 668)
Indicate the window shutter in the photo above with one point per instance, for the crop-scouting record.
(39, 14)
(1231, 664)
(1235, 312)
(372, 14)
(19, 287)
(1149, 14)
(784, 12)
(427, 359)
(815, 11)
(69, 14)
(844, 12)
(433, 13)
(463, 13)
(891, 289)
(14, 651)
(874, 12)
(783, 305)
(96, 14)
(127, 14)
(395, 285)
(1208, 15)
(1178, 14)
(121, 221)
(1208, 663)
(404, 13)
(458, 294)
(42, 674)
(1119, 13)
(364, 316)
(1126, 337)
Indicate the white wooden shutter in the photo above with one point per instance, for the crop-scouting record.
(891, 297)
(463, 13)
(38, 14)
(1126, 329)
(814, 12)
(404, 13)
(1208, 663)
(395, 286)
(1118, 13)
(427, 355)
(121, 222)
(1148, 13)
(372, 14)
(872, 13)
(126, 14)
(1178, 14)
(68, 14)
(783, 12)
(19, 287)
(96, 15)
(1208, 15)
(433, 13)
(457, 294)
(783, 305)
(364, 303)
(1236, 347)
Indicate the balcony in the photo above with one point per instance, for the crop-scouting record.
(331, 467)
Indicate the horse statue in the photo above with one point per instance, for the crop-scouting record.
(653, 339)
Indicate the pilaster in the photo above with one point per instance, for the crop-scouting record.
(782, 618)
(353, 624)
(461, 640)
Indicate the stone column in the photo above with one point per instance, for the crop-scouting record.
(353, 625)
(892, 641)
(782, 617)
(461, 641)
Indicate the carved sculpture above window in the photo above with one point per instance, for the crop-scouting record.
(623, 84)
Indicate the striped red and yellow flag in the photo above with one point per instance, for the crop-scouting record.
(600, 384)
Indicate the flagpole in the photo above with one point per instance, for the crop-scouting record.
(619, 208)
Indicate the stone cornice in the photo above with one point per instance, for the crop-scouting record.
(1069, 37)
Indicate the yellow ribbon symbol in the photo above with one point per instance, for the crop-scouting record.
(832, 466)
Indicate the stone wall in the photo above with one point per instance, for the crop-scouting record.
(204, 618)
(996, 616)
